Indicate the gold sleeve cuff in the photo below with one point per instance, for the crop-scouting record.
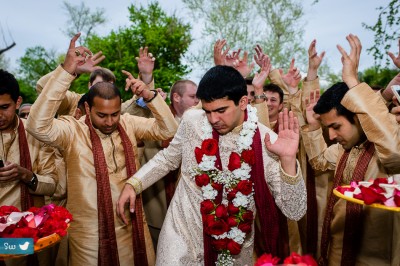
(290, 179)
(136, 184)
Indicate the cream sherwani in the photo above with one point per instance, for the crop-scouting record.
(72, 138)
(181, 238)
(380, 244)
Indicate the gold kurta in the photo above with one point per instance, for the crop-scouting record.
(42, 158)
(380, 244)
(73, 140)
(181, 238)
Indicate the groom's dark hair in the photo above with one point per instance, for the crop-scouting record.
(220, 82)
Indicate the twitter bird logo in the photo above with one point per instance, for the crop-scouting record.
(24, 246)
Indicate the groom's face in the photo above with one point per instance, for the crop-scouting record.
(224, 115)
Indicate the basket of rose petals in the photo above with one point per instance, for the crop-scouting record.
(46, 225)
(293, 259)
(381, 193)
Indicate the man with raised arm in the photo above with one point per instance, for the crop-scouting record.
(101, 154)
(232, 169)
(367, 148)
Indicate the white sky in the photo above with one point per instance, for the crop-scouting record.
(39, 23)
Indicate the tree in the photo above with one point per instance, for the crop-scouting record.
(4, 62)
(35, 63)
(81, 19)
(386, 31)
(166, 36)
(378, 76)
(276, 25)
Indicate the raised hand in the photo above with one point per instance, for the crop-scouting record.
(241, 65)
(219, 55)
(137, 86)
(91, 63)
(231, 58)
(287, 144)
(259, 56)
(162, 93)
(75, 56)
(145, 64)
(314, 61)
(292, 78)
(350, 61)
(395, 59)
(311, 116)
(259, 78)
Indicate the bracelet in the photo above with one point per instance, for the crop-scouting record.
(261, 96)
(152, 98)
(289, 179)
(136, 184)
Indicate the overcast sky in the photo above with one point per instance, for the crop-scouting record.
(40, 22)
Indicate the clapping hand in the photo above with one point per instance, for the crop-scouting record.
(219, 55)
(145, 64)
(137, 86)
(395, 59)
(292, 78)
(241, 64)
(91, 63)
(76, 56)
(311, 116)
(314, 61)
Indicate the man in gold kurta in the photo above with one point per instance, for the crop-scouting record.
(41, 179)
(73, 138)
(360, 117)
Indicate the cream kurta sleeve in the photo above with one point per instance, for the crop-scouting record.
(262, 113)
(46, 172)
(378, 124)
(276, 78)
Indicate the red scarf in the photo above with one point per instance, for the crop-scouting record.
(265, 204)
(25, 161)
(108, 250)
(353, 220)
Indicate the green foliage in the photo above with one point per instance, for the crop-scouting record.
(378, 76)
(36, 62)
(27, 92)
(166, 36)
(276, 25)
(386, 31)
(81, 19)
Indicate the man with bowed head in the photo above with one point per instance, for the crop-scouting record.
(228, 176)
(100, 151)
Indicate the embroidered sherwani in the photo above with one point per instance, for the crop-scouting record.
(72, 138)
(380, 243)
(181, 238)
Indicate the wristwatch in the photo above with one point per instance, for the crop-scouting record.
(261, 96)
(32, 184)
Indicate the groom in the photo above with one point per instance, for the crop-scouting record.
(227, 177)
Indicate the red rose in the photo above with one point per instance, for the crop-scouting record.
(206, 207)
(308, 260)
(247, 216)
(33, 209)
(248, 156)
(219, 244)
(234, 161)
(371, 196)
(202, 180)
(232, 209)
(217, 227)
(61, 213)
(25, 232)
(199, 154)
(232, 221)
(245, 187)
(217, 186)
(233, 247)
(208, 219)
(231, 194)
(245, 227)
(209, 147)
(6, 210)
(397, 200)
(221, 211)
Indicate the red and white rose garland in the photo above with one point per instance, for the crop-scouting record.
(227, 219)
